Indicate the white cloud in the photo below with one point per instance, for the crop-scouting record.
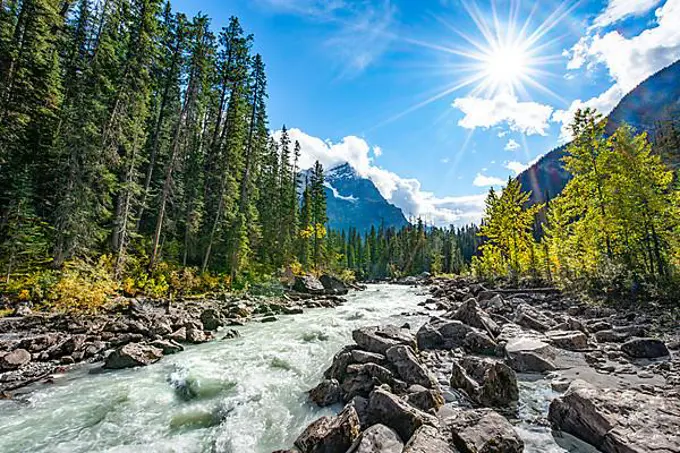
(512, 145)
(405, 193)
(377, 151)
(621, 9)
(526, 117)
(515, 166)
(445, 160)
(629, 61)
(486, 181)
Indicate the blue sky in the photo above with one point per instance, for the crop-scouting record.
(436, 100)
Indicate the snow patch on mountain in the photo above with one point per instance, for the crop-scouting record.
(336, 194)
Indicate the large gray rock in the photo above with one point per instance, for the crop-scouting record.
(483, 431)
(479, 343)
(14, 359)
(619, 334)
(133, 355)
(333, 285)
(211, 319)
(487, 382)
(424, 399)
(308, 284)
(571, 340)
(379, 339)
(470, 314)
(428, 440)
(618, 421)
(378, 439)
(404, 360)
(168, 346)
(441, 334)
(361, 379)
(645, 348)
(529, 355)
(338, 368)
(330, 434)
(390, 410)
(327, 393)
(527, 316)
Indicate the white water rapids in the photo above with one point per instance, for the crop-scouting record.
(245, 395)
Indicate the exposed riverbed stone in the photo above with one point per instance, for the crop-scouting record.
(378, 439)
(379, 339)
(529, 355)
(482, 431)
(330, 434)
(428, 440)
(328, 392)
(527, 316)
(442, 334)
(571, 340)
(133, 355)
(645, 348)
(618, 421)
(14, 359)
(408, 367)
(308, 284)
(487, 382)
(390, 410)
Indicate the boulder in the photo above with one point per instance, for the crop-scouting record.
(196, 336)
(479, 343)
(330, 434)
(470, 314)
(211, 319)
(361, 379)
(483, 431)
(404, 360)
(327, 393)
(338, 368)
(441, 334)
(619, 334)
(14, 359)
(168, 346)
(379, 339)
(390, 410)
(530, 318)
(529, 355)
(333, 285)
(424, 399)
(180, 335)
(359, 356)
(308, 284)
(132, 355)
(487, 382)
(378, 439)
(428, 440)
(39, 343)
(645, 348)
(618, 421)
(571, 340)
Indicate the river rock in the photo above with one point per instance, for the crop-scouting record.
(529, 355)
(133, 355)
(390, 410)
(211, 319)
(618, 421)
(361, 379)
(530, 318)
(196, 336)
(168, 346)
(327, 393)
(379, 339)
(14, 359)
(308, 284)
(428, 440)
(378, 439)
(180, 335)
(441, 334)
(619, 334)
(479, 343)
(333, 285)
(424, 399)
(483, 431)
(487, 382)
(338, 368)
(645, 348)
(39, 343)
(571, 340)
(330, 434)
(359, 356)
(409, 369)
(470, 314)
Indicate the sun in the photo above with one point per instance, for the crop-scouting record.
(506, 65)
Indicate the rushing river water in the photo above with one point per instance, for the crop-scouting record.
(245, 395)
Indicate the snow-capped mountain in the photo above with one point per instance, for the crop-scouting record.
(354, 201)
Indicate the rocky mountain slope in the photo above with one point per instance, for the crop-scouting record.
(656, 99)
(355, 202)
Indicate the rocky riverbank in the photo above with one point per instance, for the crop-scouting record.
(138, 332)
(452, 385)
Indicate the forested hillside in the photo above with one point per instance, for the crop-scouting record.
(134, 141)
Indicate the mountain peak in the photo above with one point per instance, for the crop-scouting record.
(342, 171)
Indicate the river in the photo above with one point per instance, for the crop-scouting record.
(245, 395)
